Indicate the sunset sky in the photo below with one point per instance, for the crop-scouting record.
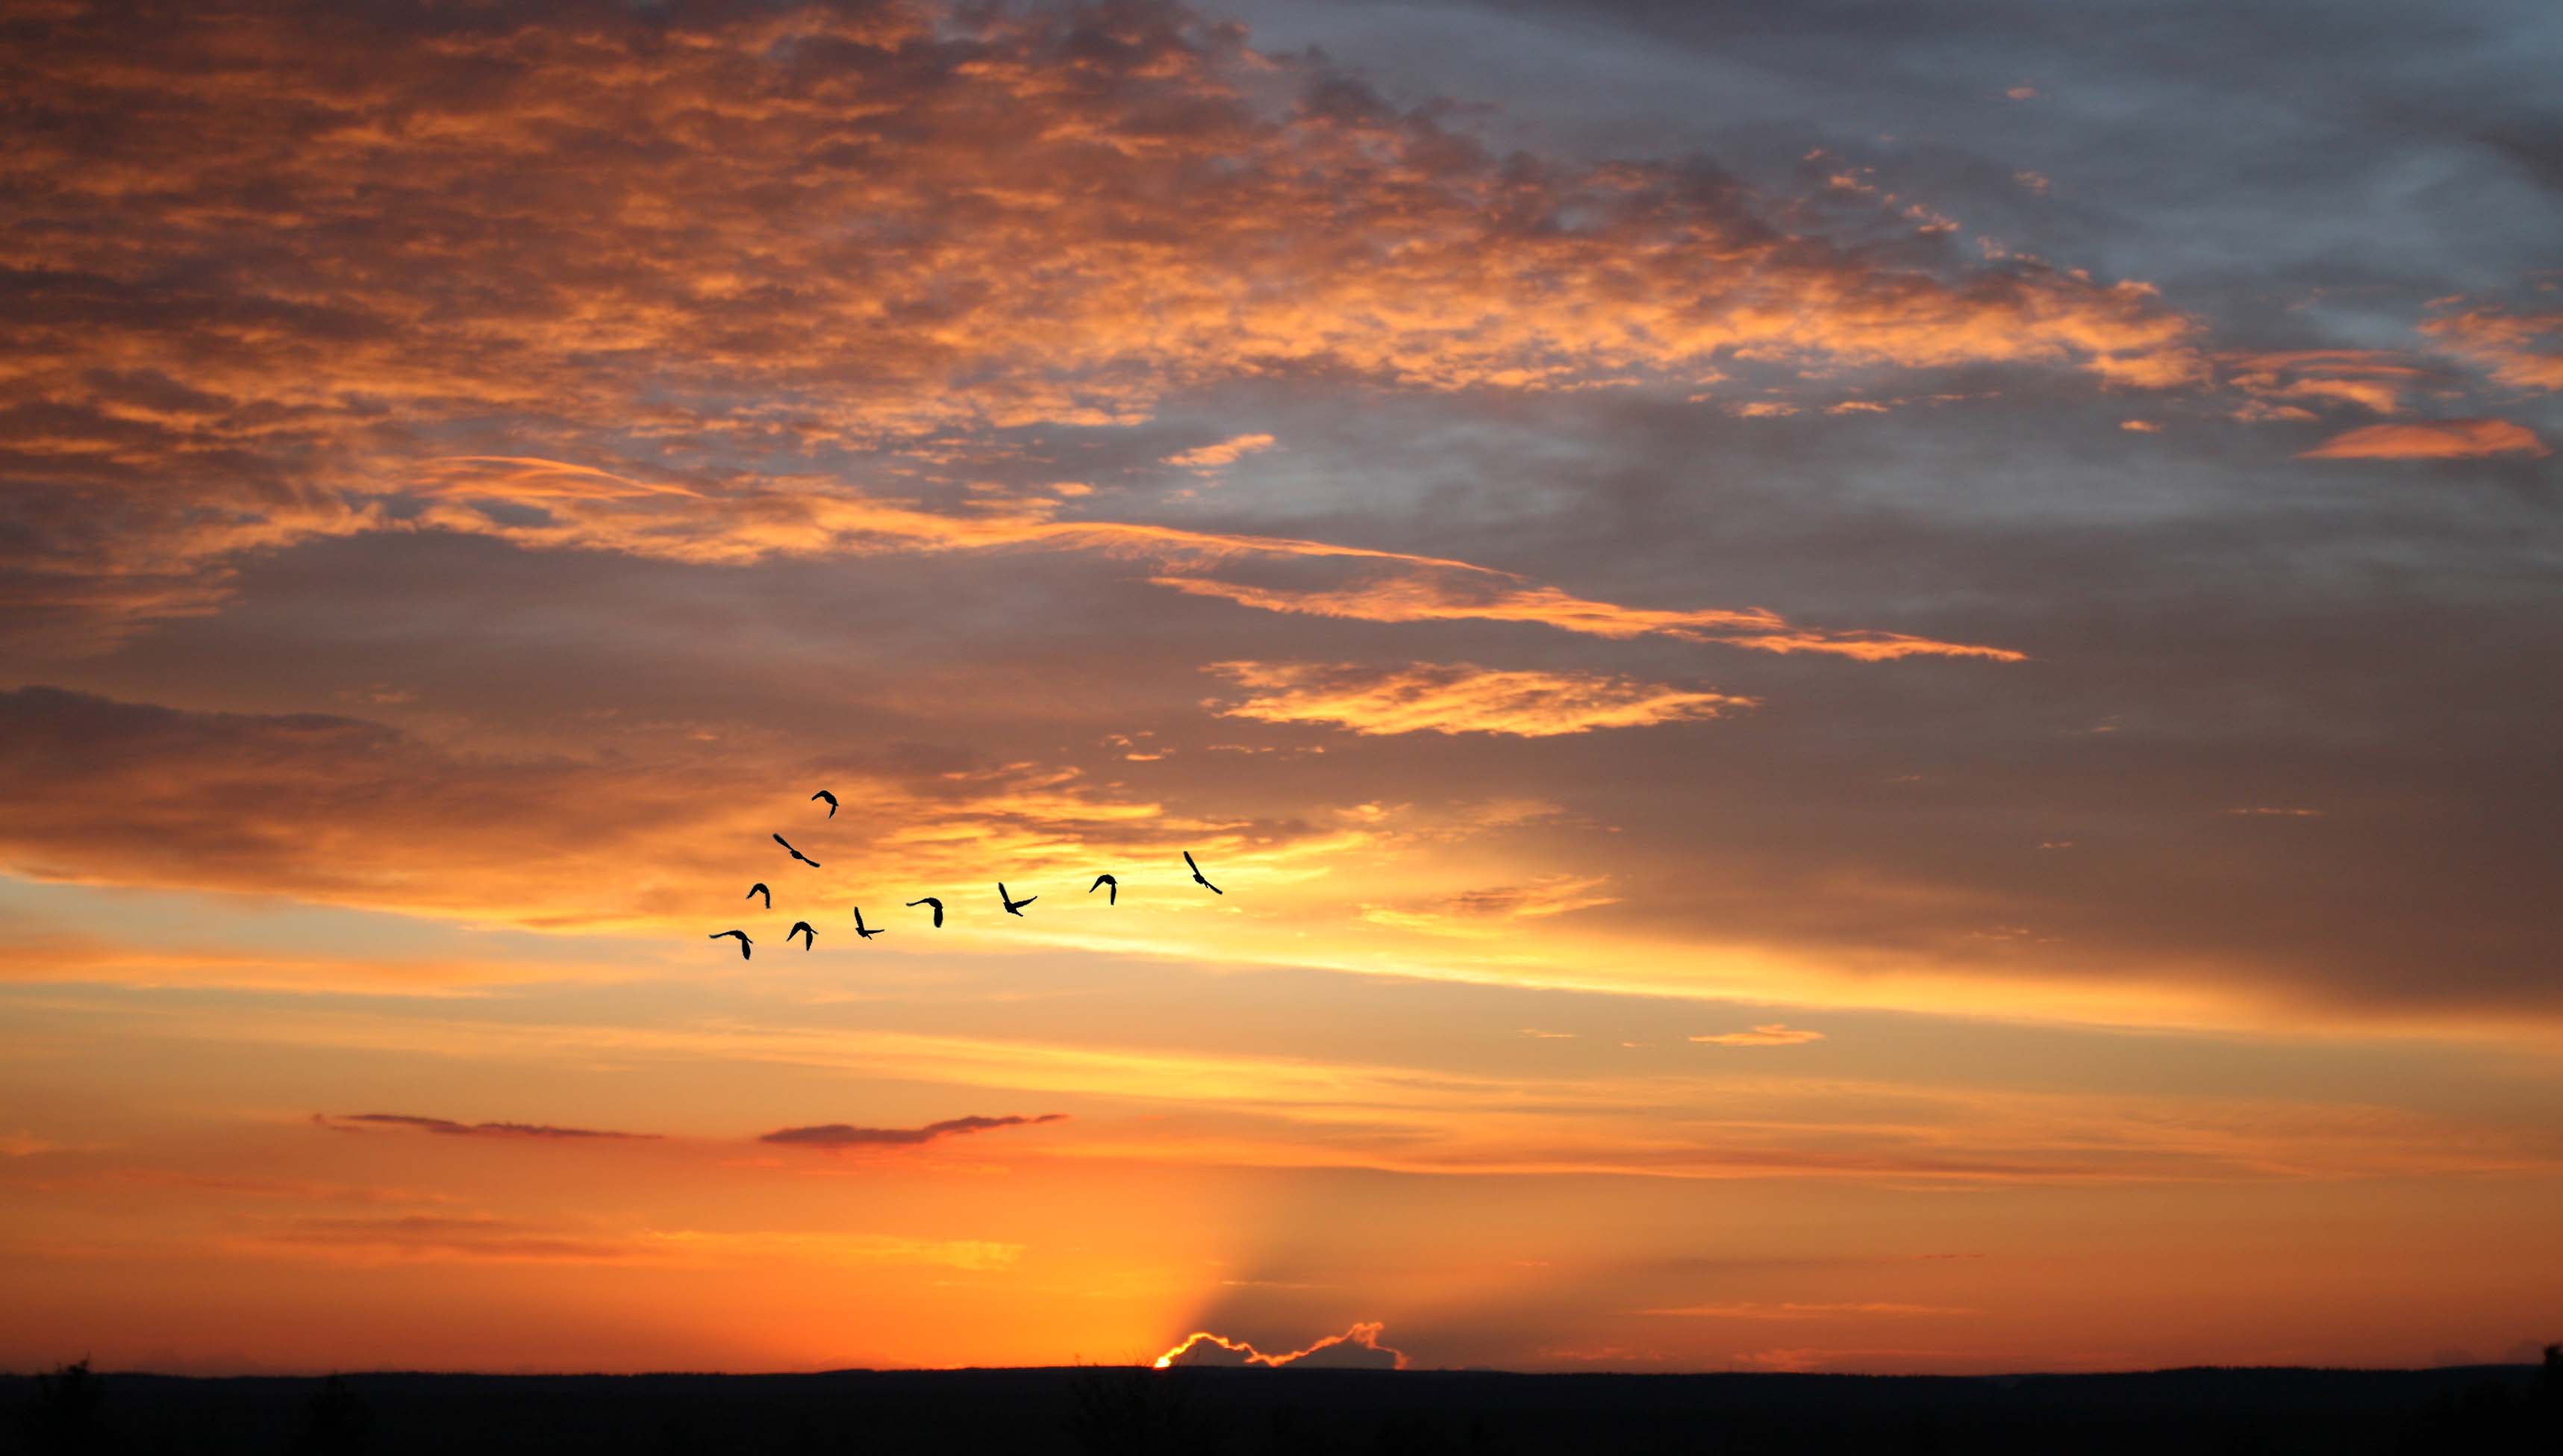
(1876, 687)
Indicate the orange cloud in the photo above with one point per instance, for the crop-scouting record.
(1357, 1346)
(1424, 597)
(1773, 1035)
(756, 518)
(2371, 379)
(1865, 646)
(1210, 456)
(2502, 343)
(1424, 698)
(191, 380)
(2431, 440)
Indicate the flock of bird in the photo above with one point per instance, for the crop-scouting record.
(810, 934)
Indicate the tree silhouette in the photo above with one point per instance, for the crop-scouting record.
(63, 1416)
(335, 1423)
(1138, 1412)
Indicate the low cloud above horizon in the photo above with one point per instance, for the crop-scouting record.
(840, 1135)
(358, 1122)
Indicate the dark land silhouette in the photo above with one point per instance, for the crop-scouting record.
(1258, 1412)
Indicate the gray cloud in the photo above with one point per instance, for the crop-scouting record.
(443, 1126)
(841, 1134)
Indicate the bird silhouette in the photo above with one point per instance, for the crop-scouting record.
(802, 927)
(797, 854)
(928, 901)
(866, 932)
(1101, 880)
(759, 888)
(832, 801)
(1014, 906)
(1197, 876)
(743, 941)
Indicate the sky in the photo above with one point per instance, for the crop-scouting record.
(1870, 687)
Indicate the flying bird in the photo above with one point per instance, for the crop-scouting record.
(802, 927)
(1014, 906)
(1101, 881)
(868, 933)
(1197, 876)
(928, 901)
(797, 854)
(743, 941)
(832, 801)
(759, 888)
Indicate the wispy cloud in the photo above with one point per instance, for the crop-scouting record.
(841, 1134)
(1774, 1033)
(1435, 598)
(1424, 697)
(1225, 452)
(2373, 380)
(2431, 440)
(2504, 344)
(446, 1128)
